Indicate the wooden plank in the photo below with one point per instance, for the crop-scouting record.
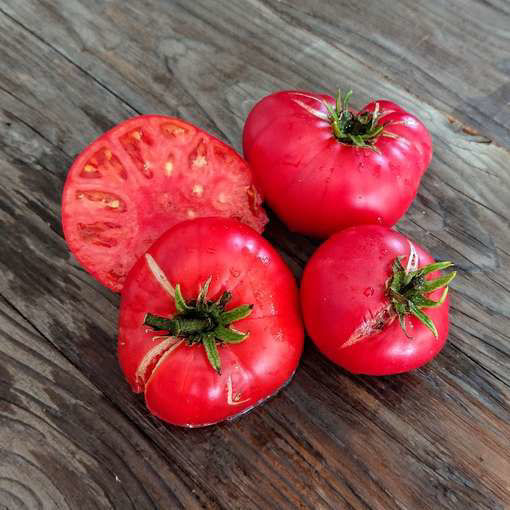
(436, 438)
(63, 444)
(451, 54)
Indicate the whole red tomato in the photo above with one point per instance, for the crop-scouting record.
(209, 322)
(142, 177)
(372, 301)
(323, 167)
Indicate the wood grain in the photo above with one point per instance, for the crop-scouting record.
(442, 51)
(63, 444)
(436, 438)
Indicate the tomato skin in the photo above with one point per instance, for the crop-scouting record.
(344, 283)
(184, 389)
(318, 185)
(140, 178)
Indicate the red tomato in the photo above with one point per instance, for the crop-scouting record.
(198, 375)
(141, 178)
(363, 294)
(324, 171)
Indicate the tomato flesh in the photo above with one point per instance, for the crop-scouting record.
(318, 185)
(343, 291)
(179, 384)
(141, 178)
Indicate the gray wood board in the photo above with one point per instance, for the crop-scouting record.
(436, 438)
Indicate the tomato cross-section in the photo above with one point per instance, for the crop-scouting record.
(141, 178)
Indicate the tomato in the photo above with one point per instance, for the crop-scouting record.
(142, 177)
(235, 335)
(322, 167)
(372, 301)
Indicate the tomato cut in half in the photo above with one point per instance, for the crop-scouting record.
(374, 302)
(141, 178)
(209, 324)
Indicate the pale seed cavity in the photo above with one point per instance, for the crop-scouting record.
(137, 135)
(169, 167)
(105, 199)
(89, 168)
(191, 213)
(175, 131)
(108, 154)
(222, 199)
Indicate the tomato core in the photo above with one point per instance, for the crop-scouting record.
(358, 129)
(203, 322)
(407, 289)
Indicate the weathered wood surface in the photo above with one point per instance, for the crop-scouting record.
(71, 433)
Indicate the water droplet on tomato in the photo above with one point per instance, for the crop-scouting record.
(369, 291)
(379, 220)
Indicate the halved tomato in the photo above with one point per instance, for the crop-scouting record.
(141, 178)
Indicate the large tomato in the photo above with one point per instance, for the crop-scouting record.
(322, 167)
(372, 301)
(141, 178)
(209, 322)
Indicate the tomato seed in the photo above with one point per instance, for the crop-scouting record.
(198, 189)
(200, 161)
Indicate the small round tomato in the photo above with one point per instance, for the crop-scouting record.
(142, 177)
(323, 167)
(374, 302)
(209, 323)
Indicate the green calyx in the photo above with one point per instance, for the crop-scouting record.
(203, 321)
(357, 129)
(407, 290)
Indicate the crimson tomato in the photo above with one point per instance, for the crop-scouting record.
(323, 167)
(363, 294)
(142, 177)
(209, 322)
